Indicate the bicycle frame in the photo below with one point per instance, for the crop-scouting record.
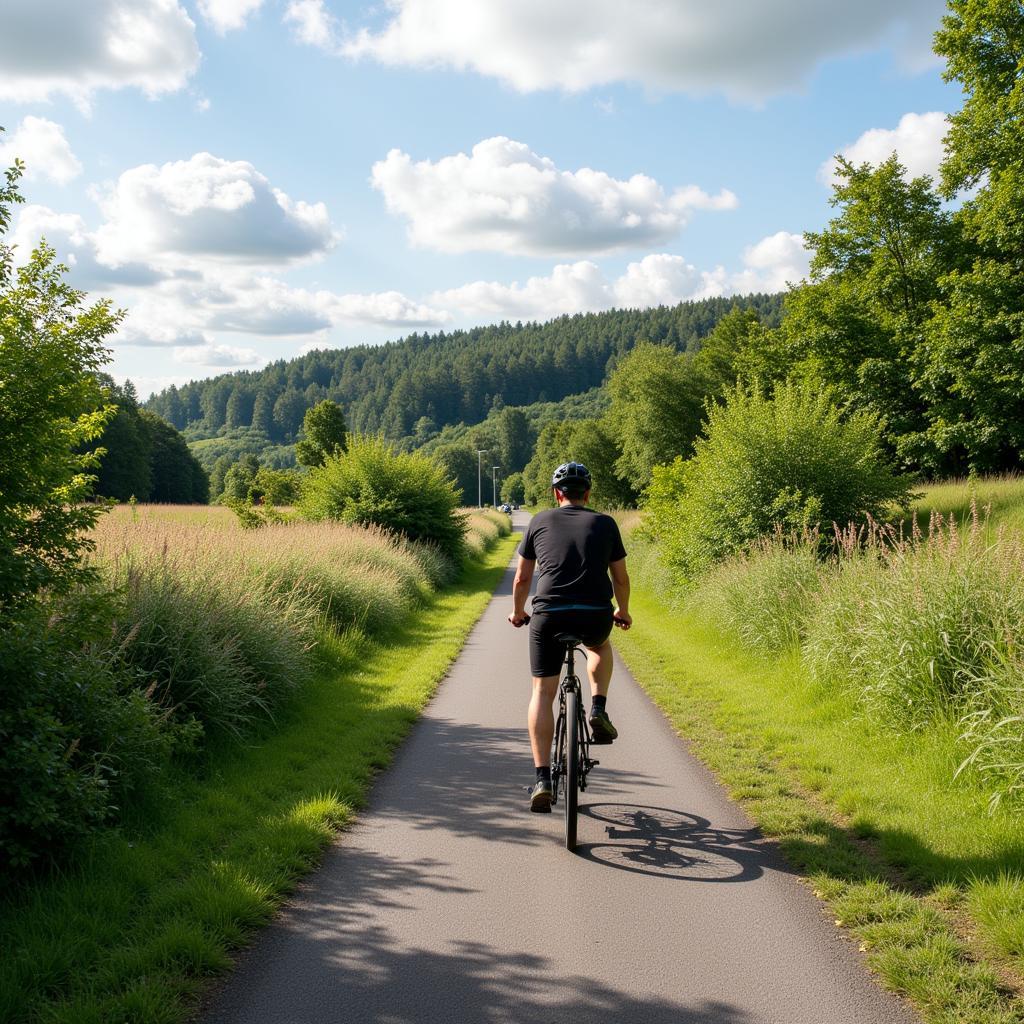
(570, 684)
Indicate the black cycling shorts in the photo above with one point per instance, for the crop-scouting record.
(547, 653)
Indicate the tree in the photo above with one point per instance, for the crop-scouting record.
(239, 410)
(263, 414)
(326, 434)
(656, 412)
(178, 478)
(876, 273)
(52, 409)
(217, 474)
(240, 477)
(124, 470)
(459, 463)
(718, 360)
(275, 487)
(974, 372)
(588, 441)
(288, 412)
(370, 484)
(514, 438)
(513, 490)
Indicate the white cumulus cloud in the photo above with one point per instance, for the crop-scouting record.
(44, 148)
(75, 245)
(207, 210)
(917, 141)
(659, 279)
(226, 15)
(219, 355)
(312, 23)
(745, 50)
(772, 264)
(503, 197)
(73, 47)
(663, 280)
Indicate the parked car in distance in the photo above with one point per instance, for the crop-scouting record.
(506, 507)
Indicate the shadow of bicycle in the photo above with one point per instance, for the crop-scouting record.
(674, 844)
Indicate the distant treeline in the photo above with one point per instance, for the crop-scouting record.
(425, 382)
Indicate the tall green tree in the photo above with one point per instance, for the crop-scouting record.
(719, 359)
(52, 410)
(178, 478)
(656, 412)
(875, 278)
(326, 434)
(974, 374)
(591, 442)
(124, 469)
(514, 438)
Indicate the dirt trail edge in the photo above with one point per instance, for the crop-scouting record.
(449, 902)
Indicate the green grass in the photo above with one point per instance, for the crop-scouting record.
(1004, 495)
(910, 861)
(132, 930)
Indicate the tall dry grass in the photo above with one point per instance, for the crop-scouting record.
(921, 630)
(217, 623)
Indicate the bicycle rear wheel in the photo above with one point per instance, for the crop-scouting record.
(572, 768)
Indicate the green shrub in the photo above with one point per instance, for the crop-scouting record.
(764, 596)
(75, 739)
(51, 349)
(791, 462)
(371, 484)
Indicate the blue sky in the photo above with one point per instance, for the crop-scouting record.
(253, 178)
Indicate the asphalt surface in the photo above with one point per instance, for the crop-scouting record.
(450, 902)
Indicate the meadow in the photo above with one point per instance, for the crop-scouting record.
(868, 710)
(286, 663)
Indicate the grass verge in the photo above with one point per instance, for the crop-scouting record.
(136, 925)
(908, 860)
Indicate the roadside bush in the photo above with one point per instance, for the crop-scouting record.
(792, 462)
(74, 739)
(484, 527)
(764, 597)
(371, 484)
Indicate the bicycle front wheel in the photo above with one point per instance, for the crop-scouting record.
(572, 768)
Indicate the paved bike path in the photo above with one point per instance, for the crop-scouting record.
(449, 902)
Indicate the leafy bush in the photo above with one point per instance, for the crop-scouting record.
(790, 462)
(51, 348)
(765, 596)
(371, 484)
(74, 739)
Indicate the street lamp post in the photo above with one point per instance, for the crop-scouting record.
(480, 453)
(494, 486)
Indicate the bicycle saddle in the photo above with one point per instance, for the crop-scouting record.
(569, 640)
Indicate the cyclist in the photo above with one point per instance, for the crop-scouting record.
(575, 548)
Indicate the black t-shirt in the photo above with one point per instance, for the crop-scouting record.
(573, 547)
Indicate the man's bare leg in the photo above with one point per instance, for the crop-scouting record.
(542, 719)
(599, 667)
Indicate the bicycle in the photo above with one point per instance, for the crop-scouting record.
(570, 759)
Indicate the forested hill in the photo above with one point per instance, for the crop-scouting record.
(449, 378)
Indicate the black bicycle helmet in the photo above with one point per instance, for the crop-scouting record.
(572, 473)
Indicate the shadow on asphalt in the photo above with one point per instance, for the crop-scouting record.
(338, 961)
(673, 844)
(482, 791)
